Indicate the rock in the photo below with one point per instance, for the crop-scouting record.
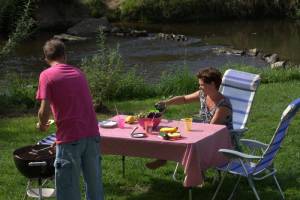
(278, 65)
(120, 34)
(237, 52)
(219, 50)
(57, 14)
(271, 58)
(172, 36)
(252, 52)
(115, 30)
(136, 33)
(90, 26)
(261, 55)
(66, 37)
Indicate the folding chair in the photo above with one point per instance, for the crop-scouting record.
(49, 140)
(243, 164)
(240, 88)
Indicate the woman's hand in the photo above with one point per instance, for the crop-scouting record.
(161, 106)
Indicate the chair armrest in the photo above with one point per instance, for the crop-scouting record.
(253, 144)
(239, 132)
(236, 154)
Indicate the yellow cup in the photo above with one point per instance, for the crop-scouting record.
(187, 123)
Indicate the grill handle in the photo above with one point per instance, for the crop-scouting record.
(35, 164)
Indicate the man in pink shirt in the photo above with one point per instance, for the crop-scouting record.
(64, 90)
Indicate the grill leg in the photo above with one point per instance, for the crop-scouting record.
(40, 189)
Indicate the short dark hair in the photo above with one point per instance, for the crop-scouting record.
(209, 75)
(54, 49)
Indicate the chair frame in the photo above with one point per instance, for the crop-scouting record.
(264, 168)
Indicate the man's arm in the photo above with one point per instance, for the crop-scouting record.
(43, 115)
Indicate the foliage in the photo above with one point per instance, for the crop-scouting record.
(109, 80)
(178, 83)
(19, 94)
(96, 7)
(185, 10)
(23, 29)
(10, 12)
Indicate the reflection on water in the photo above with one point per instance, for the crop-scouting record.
(152, 56)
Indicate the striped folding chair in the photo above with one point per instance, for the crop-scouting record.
(240, 88)
(49, 140)
(243, 165)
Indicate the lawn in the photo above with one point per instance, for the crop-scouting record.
(142, 183)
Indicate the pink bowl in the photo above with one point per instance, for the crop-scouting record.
(156, 121)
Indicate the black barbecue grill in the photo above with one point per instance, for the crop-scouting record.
(36, 162)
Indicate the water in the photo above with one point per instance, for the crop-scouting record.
(151, 56)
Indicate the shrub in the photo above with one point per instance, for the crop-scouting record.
(18, 95)
(109, 80)
(180, 82)
(186, 10)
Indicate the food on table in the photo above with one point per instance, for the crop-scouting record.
(170, 136)
(130, 119)
(149, 114)
(168, 129)
(174, 135)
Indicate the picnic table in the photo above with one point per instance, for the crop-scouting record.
(196, 151)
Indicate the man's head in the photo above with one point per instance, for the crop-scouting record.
(54, 50)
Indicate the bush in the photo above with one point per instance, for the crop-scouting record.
(18, 95)
(181, 82)
(187, 10)
(23, 27)
(109, 80)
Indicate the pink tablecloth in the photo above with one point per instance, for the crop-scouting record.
(196, 151)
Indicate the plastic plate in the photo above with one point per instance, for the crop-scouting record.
(108, 124)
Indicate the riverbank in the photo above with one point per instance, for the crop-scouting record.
(199, 10)
(141, 183)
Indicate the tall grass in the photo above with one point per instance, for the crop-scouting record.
(109, 80)
(184, 10)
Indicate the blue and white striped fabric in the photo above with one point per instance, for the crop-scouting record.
(50, 139)
(268, 156)
(240, 88)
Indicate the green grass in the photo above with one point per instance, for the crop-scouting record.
(142, 183)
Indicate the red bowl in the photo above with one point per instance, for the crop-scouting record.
(156, 121)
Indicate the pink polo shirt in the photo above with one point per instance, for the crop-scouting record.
(66, 88)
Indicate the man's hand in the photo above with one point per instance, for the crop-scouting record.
(42, 127)
(43, 115)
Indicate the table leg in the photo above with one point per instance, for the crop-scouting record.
(123, 166)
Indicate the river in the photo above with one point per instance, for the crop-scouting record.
(152, 56)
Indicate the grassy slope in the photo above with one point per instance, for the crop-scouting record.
(141, 183)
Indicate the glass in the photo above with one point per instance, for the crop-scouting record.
(187, 122)
(121, 122)
(148, 126)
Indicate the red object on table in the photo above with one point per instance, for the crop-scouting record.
(196, 151)
(155, 121)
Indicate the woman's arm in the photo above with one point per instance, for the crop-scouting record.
(193, 97)
(220, 115)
